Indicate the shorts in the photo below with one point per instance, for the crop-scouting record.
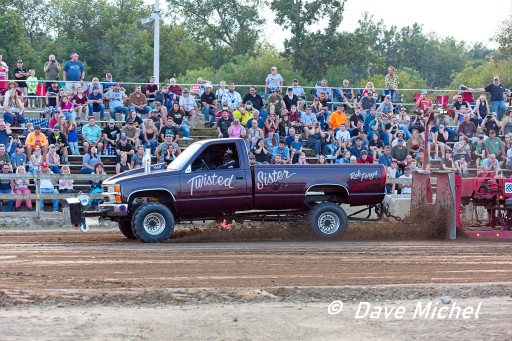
(71, 87)
(31, 95)
(188, 113)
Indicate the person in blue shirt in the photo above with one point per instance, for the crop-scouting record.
(497, 90)
(73, 73)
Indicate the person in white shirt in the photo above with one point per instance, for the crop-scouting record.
(406, 189)
(231, 99)
(189, 106)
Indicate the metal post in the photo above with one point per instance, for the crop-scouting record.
(37, 181)
(156, 44)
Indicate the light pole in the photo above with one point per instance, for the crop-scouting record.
(156, 44)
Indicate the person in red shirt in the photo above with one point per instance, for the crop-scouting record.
(423, 102)
(364, 157)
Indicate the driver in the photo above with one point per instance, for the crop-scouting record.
(228, 161)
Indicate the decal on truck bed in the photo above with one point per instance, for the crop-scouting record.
(363, 175)
(198, 182)
(267, 178)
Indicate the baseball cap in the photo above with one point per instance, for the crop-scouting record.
(168, 135)
(364, 152)
(56, 127)
(116, 83)
(111, 121)
(44, 164)
(130, 122)
(492, 131)
(157, 103)
(295, 80)
(407, 168)
(20, 146)
(208, 85)
(52, 146)
(37, 127)
(95, 88)
(400, 132)
(290, 89)
(123, 138)
(273, 89)
(20, 61)
(154, 110)
(423, 92)
(185, 91)
(370, 92)
(400, 139)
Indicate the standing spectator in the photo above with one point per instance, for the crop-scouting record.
(274, 80)
(47, 186)
(391, 83)
(73, 74)
(138, 102)
(21, 74)
(66, 185)
(95, 103)
(3, 75)
(31, 89)
(209, 105)
(497, 90)
(20, 186)
(151, 89)
(189, 106)
(51, 69)
(91, 135)
(5, 187)
(96, 184)
(116, 99)
(89, 160)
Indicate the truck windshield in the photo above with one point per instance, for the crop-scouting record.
(180, 162)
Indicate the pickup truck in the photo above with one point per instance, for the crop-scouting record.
(214, 180)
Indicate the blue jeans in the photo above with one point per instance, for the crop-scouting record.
(97, 108)
(152, 145)
(263, 113)
(9, 118)
(145, 111)
(10, 203)
(114, 111)
(70, 116)
(329, 149)
(499, 107)
(406, 131)
(207, 112)
(55, 202)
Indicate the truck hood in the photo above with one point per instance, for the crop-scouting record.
(138, 175)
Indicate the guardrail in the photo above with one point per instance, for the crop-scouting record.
(37, 196)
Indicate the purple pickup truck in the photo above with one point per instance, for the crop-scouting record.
(213, 179)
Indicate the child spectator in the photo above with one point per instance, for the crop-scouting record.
(32, 88)
(296, 147)
(36, 159)
(80, 103)
(462, 166)
(47, 187)
(73, 138)
(66, 185)
(20, 186)
(96, 184)
(53, 159)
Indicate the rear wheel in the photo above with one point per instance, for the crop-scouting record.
(328, 220)
(125, 226)
(152, 223)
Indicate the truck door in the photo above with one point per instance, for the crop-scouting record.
(216, 181)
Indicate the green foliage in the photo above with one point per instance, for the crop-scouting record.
(504, 39)
(481, 76)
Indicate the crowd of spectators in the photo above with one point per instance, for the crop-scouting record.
(340, 125)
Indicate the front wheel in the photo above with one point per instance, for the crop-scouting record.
(125, 226)
(152, 223)
(328, 220)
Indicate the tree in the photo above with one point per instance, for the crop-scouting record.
(504, 39)
(297, 15)
(234, 23)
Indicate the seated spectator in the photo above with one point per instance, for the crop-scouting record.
(385, 158)
(35, 161)
(364, 157)
(223, 124)
(189, 107)
(66, 185)
(111, 134)
(19, 158)
(378, 127)
(261, 153)
(209, 106)
(116, 99)
(415, 142)
(386, 107)
(162, 148)
(138, 102)
(284, 125)
(131, 133)
(462, 166)
(90, 159)
(481, 108)
(315, 137)
(92, 135)
(283, 151)
(275, 102)
(393, 172)
(137, 159)
(36, 139)
(495, 146)
(423, 102)
(235, 129)
(123, 147)
(180, 119)
(4, 157)
(60, 143)
(460, 106)
(149, 136)
(367, 101)
(447, 163)
(170, 128)
(400, 152)
(491, 164)
(490, 122)
(357, 148)
(20, 186)
(96, 184)
(95, 103)
(347, 95)
(53, 160)
(170, 154)
(151, 89)
(6, 187)
(123, 165)
(406, 189)
(302, 159)
(440, 137)
(137, 121)
(344, 157)
(290, 99)
(479, 153)
(173, 89)
(66, 108)
(47, 186)
(13, 109)
(80, 103)
(376, 146)
(417, 122)
(338, 118)
(256, 117)
(257, 102)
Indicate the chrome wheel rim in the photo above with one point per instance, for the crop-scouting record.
(328, 223)
(154, 224)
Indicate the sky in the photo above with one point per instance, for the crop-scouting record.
(471, 21)
(468, 20)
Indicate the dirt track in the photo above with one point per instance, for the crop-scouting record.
(51, 275)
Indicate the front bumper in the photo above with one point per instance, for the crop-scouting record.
(75, 215)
